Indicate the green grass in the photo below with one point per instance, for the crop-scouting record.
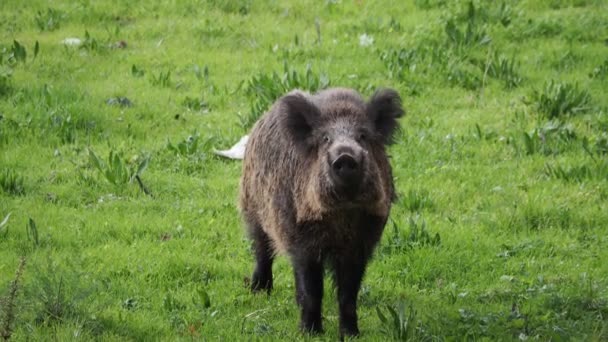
(128, 223)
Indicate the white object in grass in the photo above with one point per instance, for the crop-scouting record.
(72, 41)
(235, 152)
(366, 40)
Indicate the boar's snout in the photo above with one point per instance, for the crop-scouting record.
(346, 166)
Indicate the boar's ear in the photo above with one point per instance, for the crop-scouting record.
(384, 109)
(301, 117)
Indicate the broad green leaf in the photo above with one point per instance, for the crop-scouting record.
(142, 166)
(5, 221)
(36, 49)
(381, 315)
(96, 161)
(32, 231)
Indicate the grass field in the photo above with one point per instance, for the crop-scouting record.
(501, 227)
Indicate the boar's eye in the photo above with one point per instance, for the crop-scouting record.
(326, 139)
(362, 137)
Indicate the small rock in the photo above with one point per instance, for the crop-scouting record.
(119, 101)
(121, 44)
(51, 197)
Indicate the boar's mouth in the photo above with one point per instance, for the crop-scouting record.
(348, 193)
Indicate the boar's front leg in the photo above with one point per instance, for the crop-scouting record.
(348, 274)
(308, 272)
(349, 268)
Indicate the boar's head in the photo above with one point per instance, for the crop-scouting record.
(341, 138)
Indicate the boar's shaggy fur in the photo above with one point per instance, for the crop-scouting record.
(317, 186)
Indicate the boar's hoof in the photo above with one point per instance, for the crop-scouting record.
(261, 282)
(312, 327)
(348, 332)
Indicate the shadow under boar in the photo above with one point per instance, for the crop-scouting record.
(317, 185)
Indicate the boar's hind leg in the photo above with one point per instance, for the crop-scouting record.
(262, 248)
(308, 272)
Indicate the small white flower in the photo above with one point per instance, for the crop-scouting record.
(366, 40)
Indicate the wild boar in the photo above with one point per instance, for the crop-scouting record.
(317, 186)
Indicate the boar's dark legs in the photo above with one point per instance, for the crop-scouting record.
(348, 275)
(262, 248)
(349, 268)
(308, 273)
